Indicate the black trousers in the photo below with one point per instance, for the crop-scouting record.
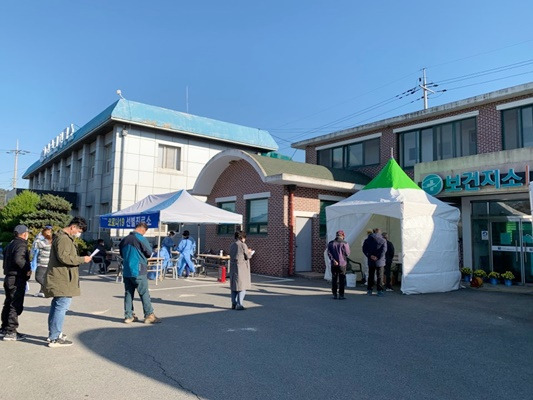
(338, 274)
(373, 270)
(388, 266)
(14, 288)
(40, 273)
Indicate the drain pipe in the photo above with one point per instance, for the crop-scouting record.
(291, 189)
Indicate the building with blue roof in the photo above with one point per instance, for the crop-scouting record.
(130, 150)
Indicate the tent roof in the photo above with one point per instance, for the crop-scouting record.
(179, 207)
(392, 176)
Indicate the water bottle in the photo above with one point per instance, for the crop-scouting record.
(221, 253)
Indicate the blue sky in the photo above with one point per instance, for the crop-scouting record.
(295, 68)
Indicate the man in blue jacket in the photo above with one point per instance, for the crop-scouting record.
(135, 250)
(374, 249)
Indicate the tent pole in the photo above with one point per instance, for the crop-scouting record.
(198, 247)
(158, 249)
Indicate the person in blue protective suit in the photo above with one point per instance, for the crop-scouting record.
(166, 250)
(168, 242)
(187, 248)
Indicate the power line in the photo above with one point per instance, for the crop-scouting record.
(492, 80)
(480, 54)
(485, 72)
(345, 101)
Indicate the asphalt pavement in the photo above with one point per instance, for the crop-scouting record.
(292, 342)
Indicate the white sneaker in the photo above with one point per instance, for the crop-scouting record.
(389, 289)
(62, 336)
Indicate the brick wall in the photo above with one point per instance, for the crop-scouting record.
(272, 250)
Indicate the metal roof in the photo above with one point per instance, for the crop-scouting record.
(276, 166)
(141, 114)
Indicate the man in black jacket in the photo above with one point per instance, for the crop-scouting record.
(17, 271)
(374, 248)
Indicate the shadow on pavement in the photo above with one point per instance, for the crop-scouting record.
(310, 347)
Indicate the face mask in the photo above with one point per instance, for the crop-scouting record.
(78, 235)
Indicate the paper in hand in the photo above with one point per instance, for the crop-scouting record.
(94, 253)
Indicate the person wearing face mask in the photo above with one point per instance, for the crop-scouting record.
(240, 276)
(62, 278)
(42, 244)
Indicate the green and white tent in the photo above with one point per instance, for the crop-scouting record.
(427, 228)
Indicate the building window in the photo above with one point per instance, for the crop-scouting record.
(66, 178)
(92, 160)
(439, 142)
(170, 157)
(227, 229)
(257, 213)
(354, 155)
(78, 170)
(517, 126)
(107, 159)
(323, 225)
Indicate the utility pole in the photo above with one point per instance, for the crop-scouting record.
(16, 151)
(425, 88)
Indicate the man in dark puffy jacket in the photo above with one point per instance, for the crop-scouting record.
(135, 250)
(374, 249)
(17, 270)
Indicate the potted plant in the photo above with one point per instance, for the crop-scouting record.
(477, 281)
(480, 273)
(508, 277)
(494, 276)
(466, 273)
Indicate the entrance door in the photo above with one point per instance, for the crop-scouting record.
(303, 244)
(512, 248)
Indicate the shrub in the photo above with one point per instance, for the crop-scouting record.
(19, 206)
(494, 274)
(466, 271)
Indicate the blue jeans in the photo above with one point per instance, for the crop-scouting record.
(185, 260)
(237, 297)
(56, 317)
(141, 284)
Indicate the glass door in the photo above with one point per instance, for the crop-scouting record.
(527, 251)
(512, 248)
(506, 249)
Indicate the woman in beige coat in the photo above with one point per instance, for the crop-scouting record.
(240, 278)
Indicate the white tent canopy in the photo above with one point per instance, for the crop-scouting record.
(178, 206)
(429, 246)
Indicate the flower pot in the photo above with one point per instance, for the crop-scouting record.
(493, 281)
(508, 282)
(466, 278)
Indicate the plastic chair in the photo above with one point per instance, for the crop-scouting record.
(98, 264)
(172, 267)
(199, 266)
(156, 266)
(354, 266)
(119, 278)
